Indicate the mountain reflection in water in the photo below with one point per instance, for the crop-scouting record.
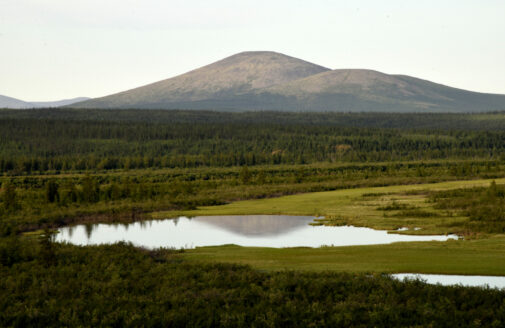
(257, 225)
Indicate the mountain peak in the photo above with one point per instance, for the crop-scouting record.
(264, 55)
(241, 73)
(258, 53)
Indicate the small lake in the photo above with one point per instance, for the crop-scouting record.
(244, 230)
(447, 280)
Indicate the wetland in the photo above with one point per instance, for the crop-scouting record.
(250, 219)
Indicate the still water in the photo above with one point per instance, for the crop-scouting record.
(491, 281)
(244, 230)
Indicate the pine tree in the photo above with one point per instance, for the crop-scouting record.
(10, 197)
(245, 174)
(52, 192)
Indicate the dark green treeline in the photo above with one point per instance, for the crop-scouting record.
(42, 140)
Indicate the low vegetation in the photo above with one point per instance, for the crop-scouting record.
(61, 167)
(31, 202)
(121, 285)
(485, 207)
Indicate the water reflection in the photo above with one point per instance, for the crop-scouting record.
(89, 229)
(256, 225)
(446, 280)
(245, 230)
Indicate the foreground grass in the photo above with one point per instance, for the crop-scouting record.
(467, 257)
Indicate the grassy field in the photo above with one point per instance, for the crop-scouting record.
(475, 255)
(467, 257)
(358, 207)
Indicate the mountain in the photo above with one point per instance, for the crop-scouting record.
(8, 102)
(243, 73)
(58, 103)
(368, 90)
(265, 80)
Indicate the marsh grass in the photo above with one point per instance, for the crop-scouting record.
(351, 207)
(483, 256)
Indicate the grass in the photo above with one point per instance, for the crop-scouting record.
(467, 257)
(358, 207)
(364, 207)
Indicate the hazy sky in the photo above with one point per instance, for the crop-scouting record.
(54, 49)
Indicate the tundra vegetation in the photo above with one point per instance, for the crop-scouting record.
(442, 173)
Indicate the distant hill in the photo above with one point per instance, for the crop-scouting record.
(8, 102)
(59, 103)
(271, 81)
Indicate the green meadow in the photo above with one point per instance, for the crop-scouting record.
(465, 257)
(358, 207)
(473, 254)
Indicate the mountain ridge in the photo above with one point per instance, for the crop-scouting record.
(9, 102)
(264, 80)
(13, 103)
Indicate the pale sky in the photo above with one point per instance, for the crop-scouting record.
(56, 49)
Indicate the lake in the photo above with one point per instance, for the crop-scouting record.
(244, 230)
(446, 280)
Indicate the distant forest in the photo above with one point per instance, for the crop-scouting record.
(65, 140)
